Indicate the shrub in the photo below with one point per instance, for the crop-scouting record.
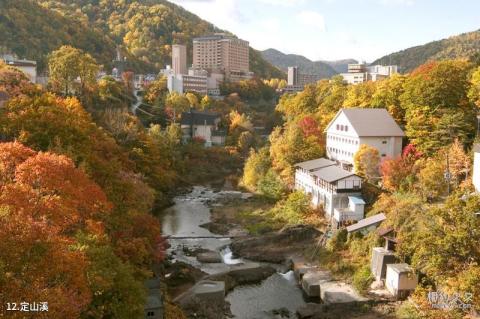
(271, 186)
(338, 240)
(407, 311)
(362, 278)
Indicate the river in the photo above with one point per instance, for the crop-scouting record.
(246, 302)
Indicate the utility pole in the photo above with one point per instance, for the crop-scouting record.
(447, 175)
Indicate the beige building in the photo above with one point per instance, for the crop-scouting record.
(222, 53)
(183, 83)
(179, 59)
(29, 68)
(360, 72)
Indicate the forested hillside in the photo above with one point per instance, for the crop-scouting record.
(464, 45)
(144, 29)
(31, 32)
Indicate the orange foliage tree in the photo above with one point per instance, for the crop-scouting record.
(44, 201)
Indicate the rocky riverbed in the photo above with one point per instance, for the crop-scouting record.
(246, 276)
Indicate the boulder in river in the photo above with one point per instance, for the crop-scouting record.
(277, 246)
(209, 257)
(243, 275)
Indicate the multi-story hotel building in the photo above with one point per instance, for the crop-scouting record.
(296, 80)
(222, 53)
(353, 127)
(179, 59)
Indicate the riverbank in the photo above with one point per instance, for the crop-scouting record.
(272, 241)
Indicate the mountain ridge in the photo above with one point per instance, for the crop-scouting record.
(325, 69)
(143, 29)
(464, 45)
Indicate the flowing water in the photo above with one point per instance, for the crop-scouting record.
(184, 218)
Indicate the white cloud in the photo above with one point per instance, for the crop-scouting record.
(312, 19)
(398, 2)
(284, 3)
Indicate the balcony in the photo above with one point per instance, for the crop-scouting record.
(345, 214)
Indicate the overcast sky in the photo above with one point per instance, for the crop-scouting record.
(338, 29)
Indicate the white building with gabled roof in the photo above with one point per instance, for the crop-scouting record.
(338, 191)
(352, 127)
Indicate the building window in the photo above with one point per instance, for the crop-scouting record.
(346, 128)
(150, 314)
(383, 155)
(338, 127)
(384, 142)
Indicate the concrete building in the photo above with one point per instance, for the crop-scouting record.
(183, 83)
(292, 75)
(222, 53)
(179, 59)
(202, 125)
(360, 72)
(355, 126)
(400, 280)
(26, 66)
(476, 167)
(381, 257)
(338, 191)
(296, 80)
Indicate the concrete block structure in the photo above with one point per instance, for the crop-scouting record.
(380, 259)
(400, 280)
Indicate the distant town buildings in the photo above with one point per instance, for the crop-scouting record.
(360, 72)
(296, 80)
(216, 58)
(352, 127)
(203, 126)
(26, 66)
(183, 83)
(222, 53)
(179, 59)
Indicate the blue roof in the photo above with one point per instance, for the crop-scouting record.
(357, 200)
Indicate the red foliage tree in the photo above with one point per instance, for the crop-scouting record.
(309, 127)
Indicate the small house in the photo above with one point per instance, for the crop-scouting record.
(389, 236)
(400, 280)
(153, 308)
(203, 126)
(337, 190)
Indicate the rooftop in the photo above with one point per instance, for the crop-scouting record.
(332, 173)
(476, 148)
(199, 118)
(366, 222)
(315, 164)
(371, 122)
(400, 268)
